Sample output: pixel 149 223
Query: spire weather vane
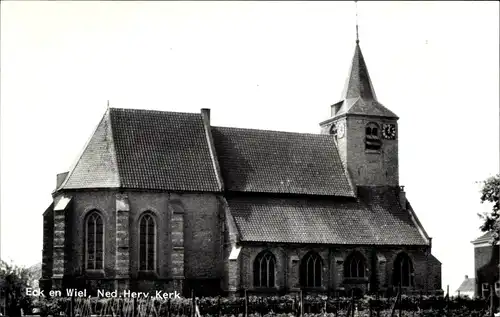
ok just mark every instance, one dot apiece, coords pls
pixel 357 34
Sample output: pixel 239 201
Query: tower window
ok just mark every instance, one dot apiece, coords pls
pixel 372 139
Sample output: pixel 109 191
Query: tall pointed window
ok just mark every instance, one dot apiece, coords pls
pixel 264 270
pixel 354 266
pixel 372 139
pixel 311 268
pixel 147 243
pixel 403 271
pixel 94 242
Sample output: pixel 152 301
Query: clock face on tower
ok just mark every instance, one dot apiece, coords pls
pixel 389 131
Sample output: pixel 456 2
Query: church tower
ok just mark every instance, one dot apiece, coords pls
pixel 365 130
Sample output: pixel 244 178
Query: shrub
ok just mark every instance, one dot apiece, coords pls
pixel 273 306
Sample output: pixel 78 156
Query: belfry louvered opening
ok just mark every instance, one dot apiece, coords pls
pixel 372 139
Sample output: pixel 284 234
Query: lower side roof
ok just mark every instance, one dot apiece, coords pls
pixel 375 218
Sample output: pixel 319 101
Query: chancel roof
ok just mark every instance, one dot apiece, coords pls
pixel 146 149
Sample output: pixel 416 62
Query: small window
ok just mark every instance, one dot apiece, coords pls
pixel 372 139
pixel 333 130
pixel 485 290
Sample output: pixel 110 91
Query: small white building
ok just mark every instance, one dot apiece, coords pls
pixel 467 287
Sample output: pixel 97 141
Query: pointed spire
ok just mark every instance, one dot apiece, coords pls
pixel 358 83
pixel 358 96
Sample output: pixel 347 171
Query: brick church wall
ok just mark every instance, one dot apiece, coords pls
pixel 379 261
pixel 48 240
pixel 191 248
pixel 188 238
pixel 427 270
pixel 202 236
pixel 435 275
pixel 83 203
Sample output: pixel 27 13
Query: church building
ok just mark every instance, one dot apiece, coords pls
pixel 163 200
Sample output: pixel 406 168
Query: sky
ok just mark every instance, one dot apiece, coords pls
pixel 264 65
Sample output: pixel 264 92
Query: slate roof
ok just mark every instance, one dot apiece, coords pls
pixel 145 149
pixel 96 167
pixel 468 285
pixel 375 219
pixel 358 82
pixel 358 96
pixel 280 162
pixel 433 259
pixel 359 106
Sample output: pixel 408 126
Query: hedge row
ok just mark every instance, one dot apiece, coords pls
pixel 262 306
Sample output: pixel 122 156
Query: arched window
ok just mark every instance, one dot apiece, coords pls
pixel 147 243
pixel 264 270
pixel 372 139
pixel 354 266
pixel 310 270
pixel 94 242
pixel 403 271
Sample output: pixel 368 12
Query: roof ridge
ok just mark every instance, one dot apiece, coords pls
pixel 154 111
pixel 276 131
pixel 114 157
pixel 205 117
